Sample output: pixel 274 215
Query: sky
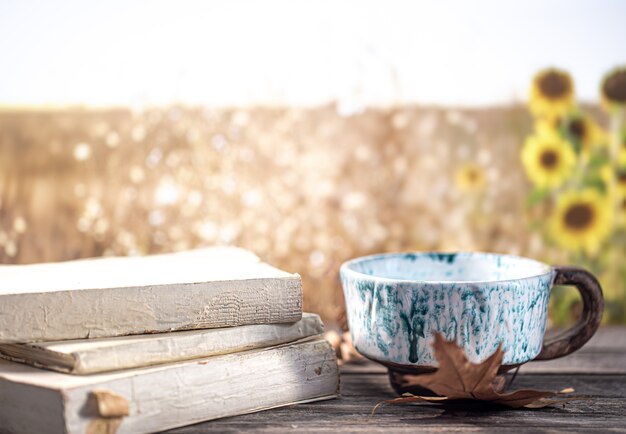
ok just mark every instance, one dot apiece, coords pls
pixel 238 52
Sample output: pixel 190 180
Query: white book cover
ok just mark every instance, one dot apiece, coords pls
pixel 106 297
pixel 156 398
pixel 88 356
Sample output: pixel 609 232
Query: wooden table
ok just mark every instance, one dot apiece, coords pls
pixel 598 371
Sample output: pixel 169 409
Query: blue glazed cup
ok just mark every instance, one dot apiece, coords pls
pixel 395 302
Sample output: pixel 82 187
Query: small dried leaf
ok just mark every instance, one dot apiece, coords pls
pixel 109 403
pixel 519 398
pixel 407 398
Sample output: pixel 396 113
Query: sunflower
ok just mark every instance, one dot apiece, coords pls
pixel 582 221
pixel 552 93
pixel 583 132
pixel 613 89
pixel 470 178
pixel 548 159
pixel 579 129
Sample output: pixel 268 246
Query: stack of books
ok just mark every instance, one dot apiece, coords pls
pixel 150 343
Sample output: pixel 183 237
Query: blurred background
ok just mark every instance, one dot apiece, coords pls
pixel 314 132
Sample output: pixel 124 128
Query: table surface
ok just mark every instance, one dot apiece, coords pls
pixel 597 371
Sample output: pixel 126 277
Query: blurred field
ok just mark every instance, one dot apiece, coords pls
pixel 304 188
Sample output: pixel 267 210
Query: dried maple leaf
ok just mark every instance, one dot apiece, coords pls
pixel 458 378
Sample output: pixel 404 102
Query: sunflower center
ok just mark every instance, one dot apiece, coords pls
pixel 614 87
pixel 621 177
pixel 549 158
pixel 577 128
pixel 579 216
pixel 554 85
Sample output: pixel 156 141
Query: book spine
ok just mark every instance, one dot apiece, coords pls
pixel 63 315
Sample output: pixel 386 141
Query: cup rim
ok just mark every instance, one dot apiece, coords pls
pixel 346 269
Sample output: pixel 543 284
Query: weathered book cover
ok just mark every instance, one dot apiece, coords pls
pixel 105 297
pixel 166 396
pixel 88 356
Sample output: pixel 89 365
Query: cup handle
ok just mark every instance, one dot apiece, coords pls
pixel 593 306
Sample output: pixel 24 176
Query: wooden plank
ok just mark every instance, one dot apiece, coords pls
pixel 580 363
pixel 607 338
pixel 577 363
pixel 603 410
pixel 605 353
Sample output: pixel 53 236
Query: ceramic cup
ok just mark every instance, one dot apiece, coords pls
pixel 396 301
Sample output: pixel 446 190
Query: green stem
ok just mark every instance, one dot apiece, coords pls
pixel 617 258
pixel 615 143
pixel 617 119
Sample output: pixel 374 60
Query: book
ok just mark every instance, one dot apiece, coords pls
pixel 88 356
pixel 166 396
pixel 106 297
